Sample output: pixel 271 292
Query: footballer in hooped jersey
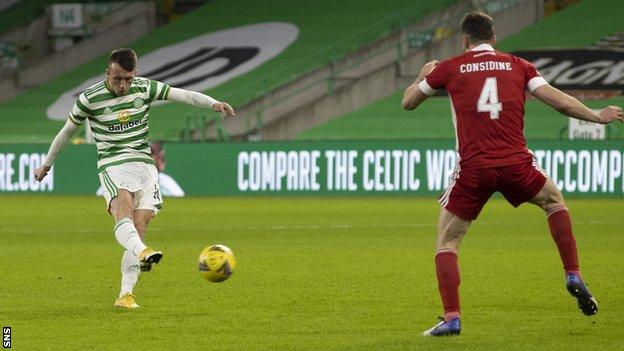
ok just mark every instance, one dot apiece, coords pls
pixel 487 89
pixel 118 113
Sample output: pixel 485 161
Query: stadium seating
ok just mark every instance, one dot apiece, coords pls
pixel 321 25
pixel 21 13
pixel 385 120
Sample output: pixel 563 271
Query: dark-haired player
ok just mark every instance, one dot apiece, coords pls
pixel 487 93
pixel 118 113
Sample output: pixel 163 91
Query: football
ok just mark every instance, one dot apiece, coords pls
pixel 217 263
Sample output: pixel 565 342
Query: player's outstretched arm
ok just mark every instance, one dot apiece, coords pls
pixel 570 106
pixel 413 95
pixel 59 142
pixel 201 100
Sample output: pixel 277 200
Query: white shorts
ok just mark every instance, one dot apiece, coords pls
pixel 141 179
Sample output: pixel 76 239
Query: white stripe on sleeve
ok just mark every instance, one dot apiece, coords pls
pixel 536 82
pixel 426 88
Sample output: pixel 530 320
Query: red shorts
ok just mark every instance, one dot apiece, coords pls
pixel 469 190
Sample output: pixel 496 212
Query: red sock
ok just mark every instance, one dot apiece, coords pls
pixel 447 270
pixel 561 229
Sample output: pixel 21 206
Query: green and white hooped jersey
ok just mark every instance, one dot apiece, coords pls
pixel 119 124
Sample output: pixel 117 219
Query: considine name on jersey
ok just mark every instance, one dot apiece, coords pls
pixel 485 66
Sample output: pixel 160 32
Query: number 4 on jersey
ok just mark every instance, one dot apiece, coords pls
pixel 488 100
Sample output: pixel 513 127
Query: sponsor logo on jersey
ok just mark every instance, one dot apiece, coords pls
pixel 202 62
pixel 107 110
pixel 123 116
pixel 126 125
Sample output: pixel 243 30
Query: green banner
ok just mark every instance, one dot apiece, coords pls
pixel 586 168
pixel 75 171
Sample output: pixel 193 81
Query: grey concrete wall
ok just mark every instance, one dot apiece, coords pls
pixel 8 87
pixel 32 38
pixel 380 73
pixel 128 24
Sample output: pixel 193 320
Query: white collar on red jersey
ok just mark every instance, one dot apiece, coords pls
pixel 483 47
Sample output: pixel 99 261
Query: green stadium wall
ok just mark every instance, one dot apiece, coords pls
pixel 375 167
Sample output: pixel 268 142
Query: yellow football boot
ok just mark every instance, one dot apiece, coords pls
pixel 148 257
pixel 126 301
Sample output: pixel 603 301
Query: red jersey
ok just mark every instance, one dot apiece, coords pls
pixel 487 93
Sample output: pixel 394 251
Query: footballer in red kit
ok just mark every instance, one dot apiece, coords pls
pixel 487 90
pixel 487 93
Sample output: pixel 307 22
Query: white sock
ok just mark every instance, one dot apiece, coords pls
pixel 129 272
pixel 128 237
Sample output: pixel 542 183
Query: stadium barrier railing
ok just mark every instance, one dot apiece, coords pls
pixel 409 39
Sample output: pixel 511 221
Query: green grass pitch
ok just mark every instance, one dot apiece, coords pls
pixel 313 273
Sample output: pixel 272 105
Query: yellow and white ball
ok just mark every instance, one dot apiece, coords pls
pixel 217 263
